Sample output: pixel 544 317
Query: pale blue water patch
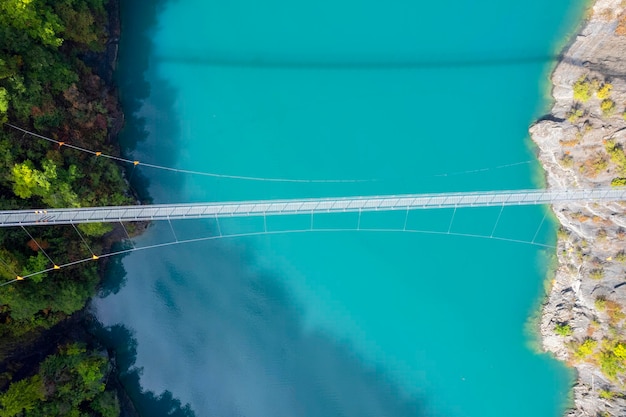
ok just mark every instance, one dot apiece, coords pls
pixel 407 98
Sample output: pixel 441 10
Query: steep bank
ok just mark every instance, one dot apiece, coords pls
pixel 581 144
pixel 56 63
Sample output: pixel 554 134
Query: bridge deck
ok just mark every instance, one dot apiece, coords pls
pixel 305 206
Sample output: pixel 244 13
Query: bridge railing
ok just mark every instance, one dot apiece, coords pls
pixel 303 206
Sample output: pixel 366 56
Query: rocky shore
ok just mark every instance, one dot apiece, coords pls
pixel 581 144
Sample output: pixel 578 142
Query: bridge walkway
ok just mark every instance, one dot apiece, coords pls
pixel 305 206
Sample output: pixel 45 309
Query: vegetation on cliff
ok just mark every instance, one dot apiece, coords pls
pixel 48 84
pixel 581 144
pixel 71 382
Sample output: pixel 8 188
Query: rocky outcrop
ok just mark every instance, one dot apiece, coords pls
pixel 581 144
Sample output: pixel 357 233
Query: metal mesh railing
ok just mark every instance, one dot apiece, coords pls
pixel 305 206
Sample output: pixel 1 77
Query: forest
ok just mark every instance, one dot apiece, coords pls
pixel 52 82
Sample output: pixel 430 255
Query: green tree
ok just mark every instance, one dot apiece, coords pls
pixel 77 376
pixel 21 395
pixel 9 266
pixel 79 24
pixel 107 404
pixel 27 180
pixel 91 371
pixel 36 264
pixel 95 229
pixel 23 302
pixel 33 18
pixel 4 104
pixel 53 185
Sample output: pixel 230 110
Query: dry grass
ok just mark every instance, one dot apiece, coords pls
pixel 594 165
pixel 606 15
pixel 614 311
pixel 570 143
pixel 581 217
pixel 620 30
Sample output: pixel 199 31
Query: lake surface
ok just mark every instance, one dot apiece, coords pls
pixel 336 99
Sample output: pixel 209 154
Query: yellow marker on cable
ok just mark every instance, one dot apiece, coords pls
pixel 98 153
pixel 61 144
pixel 135 162
pixel 56 267
pixel 19 278
pixel 94 257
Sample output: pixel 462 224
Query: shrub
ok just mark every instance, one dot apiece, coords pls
pixel 617 154
pixel 574 114
pixel 595 84
pixel 571 142
pixel 614 311
pixel 618 182
pixel 605 91
pixel 562 233
pixel 620 256
pixel 567 161
pixel 607 106
pixel 607 395
pixel 563 329
pixel 594 165
pixel 596 273
pixel 620 351
pixel 586 348
pixel 610 364
pixel 582 89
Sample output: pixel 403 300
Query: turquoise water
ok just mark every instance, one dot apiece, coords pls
pixel 404 97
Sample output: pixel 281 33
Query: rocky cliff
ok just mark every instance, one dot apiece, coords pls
pixel 581 144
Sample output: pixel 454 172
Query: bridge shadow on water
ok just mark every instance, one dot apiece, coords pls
pixel 267 62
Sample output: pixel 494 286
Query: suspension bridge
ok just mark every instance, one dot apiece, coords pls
pixel 305 206
pixel 264 208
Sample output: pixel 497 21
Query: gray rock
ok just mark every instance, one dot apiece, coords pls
pixel 573 153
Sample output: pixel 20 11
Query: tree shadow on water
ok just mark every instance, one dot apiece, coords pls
pixel 146 98
pixel 243 349
pixel 145 403
pixel 232 342
pixel 115 275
